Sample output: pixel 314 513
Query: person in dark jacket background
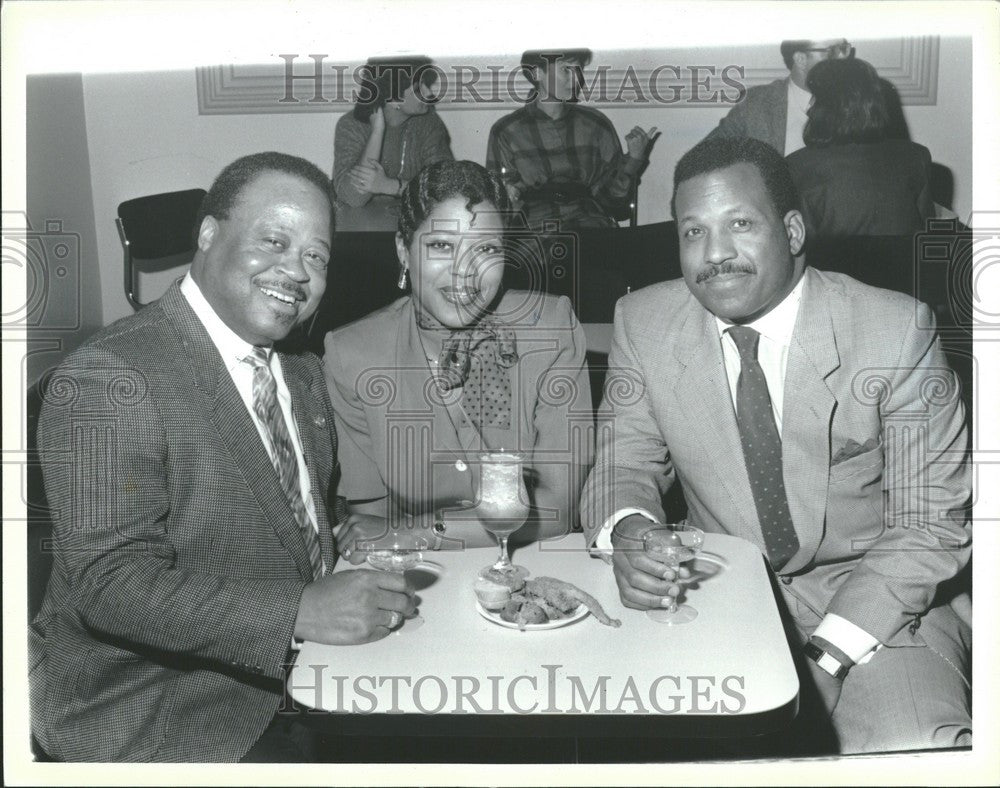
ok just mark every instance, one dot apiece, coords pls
pixel 854 176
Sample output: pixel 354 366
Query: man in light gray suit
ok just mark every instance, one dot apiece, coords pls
pixel 813 416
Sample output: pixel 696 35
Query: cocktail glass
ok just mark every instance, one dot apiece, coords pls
pixel 673 545
pixel 502 506
pixel 396 551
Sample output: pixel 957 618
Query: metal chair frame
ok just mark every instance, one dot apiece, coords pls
pixel 170 218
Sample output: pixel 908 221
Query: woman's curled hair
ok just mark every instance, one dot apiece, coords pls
pixel 442 181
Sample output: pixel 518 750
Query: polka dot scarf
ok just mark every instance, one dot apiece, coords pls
pixel 478 359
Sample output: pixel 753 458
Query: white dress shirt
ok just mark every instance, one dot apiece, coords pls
pixel 775 329
pixel 233 350
pixel 799 100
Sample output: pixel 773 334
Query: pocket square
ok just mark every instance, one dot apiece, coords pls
pixel 852 449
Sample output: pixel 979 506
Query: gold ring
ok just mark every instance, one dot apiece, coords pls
pixel 395 618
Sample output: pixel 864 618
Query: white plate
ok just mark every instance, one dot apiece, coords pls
pixel 581 611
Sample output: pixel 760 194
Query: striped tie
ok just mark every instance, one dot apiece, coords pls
pixel 265 405
pixel 762 451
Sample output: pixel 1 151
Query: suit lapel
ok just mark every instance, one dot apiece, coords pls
pixel 412 379
pixel 702 391
pixel 806 416
pixel 235 426
pixel 310 422
pixel 239 433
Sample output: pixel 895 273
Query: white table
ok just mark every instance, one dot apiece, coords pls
pixel 728 672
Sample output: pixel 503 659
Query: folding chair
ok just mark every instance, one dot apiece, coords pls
pixel 157 232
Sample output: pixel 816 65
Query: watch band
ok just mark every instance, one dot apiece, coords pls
pixel 834 651
pixel 827 661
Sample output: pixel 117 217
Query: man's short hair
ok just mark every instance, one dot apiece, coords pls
pixel 789 48
pixel 717 153
pixel 534 59
pixel 231 181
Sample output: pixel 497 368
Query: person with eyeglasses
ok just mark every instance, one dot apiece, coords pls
pixel 776 113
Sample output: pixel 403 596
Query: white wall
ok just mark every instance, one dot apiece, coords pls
pixel 58 190
pixel 146 136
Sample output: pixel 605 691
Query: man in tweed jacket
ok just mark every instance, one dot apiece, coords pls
pixel 775 113
pixel 181 575
pixel 873 451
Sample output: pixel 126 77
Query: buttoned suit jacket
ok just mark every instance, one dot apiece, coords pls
pixel 762 114
pixel 874 449
pixel 400 437
pixel 178 566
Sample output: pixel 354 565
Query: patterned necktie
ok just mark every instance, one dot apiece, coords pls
pixel 762 451
pixel 265 405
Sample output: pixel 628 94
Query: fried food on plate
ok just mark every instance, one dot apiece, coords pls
pixel 536 601
pixel 494 588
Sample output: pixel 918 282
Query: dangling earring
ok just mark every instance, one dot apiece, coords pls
pixel 404 279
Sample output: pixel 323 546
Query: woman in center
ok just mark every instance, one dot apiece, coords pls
pixel 457 367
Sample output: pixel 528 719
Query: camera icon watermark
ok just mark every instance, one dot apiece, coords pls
pixel 957 268
pixel 50 262
pixel 544 261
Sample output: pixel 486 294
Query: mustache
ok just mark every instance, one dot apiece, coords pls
pixel 288 288
pixel 728 267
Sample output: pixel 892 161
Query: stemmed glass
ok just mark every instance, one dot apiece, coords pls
pixel 502 506
pixel 396 551
pixel 673 545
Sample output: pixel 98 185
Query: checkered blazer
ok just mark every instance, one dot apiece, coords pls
pixel 762 114
pixel 178 563
pixel 873 435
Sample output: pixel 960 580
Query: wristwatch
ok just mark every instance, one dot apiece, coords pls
pixel 821 651
pixel 438 530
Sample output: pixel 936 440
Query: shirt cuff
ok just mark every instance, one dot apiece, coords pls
pixel 848 637
pixel 602 542
pixel 296 644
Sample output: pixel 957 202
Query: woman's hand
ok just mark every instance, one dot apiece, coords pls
pixel 358 529
pixel 370 178
pixel 514 195
pixel 377 121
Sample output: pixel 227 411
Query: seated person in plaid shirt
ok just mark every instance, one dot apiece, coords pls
pixel 560 160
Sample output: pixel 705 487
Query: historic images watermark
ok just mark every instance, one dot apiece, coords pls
pixel 547 690
pixel 461 84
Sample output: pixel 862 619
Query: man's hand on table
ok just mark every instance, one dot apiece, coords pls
pixel 643 582
pixel 357 606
